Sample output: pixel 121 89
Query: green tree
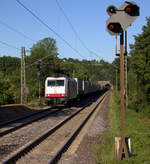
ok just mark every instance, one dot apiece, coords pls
pixel 9 64
pixel 6 92
pixel 10 79
pixel 46 51
pixel 140 62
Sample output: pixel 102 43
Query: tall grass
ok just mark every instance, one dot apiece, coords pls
pixel 137 126
pixel 36 103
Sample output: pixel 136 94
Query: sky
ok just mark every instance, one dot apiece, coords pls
pixel 88 18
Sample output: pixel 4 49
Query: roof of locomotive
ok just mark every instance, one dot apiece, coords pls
pixel 59 78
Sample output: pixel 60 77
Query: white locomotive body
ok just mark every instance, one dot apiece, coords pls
pixel 60 90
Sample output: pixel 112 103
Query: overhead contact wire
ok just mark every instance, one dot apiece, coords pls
pixel 73 29
pixel 18 32
pixel 9 45
pixel 41 21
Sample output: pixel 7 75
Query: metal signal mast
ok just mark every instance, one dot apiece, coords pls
pixel 23 75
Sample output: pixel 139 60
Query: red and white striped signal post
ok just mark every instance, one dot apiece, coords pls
pixel 118 22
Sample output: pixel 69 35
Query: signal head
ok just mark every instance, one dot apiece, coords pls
pixel 115 27
pixel 111 10
pixel 132 10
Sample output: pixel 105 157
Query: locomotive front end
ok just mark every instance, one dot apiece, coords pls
pixel 55 91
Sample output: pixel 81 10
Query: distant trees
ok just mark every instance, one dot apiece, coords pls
pixel 46 51
pixel 8 89
pixel 9 79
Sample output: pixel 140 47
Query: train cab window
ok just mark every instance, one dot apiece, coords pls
pixel 51 83
pixel 59 82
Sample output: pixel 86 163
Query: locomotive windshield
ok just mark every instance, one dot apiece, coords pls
pixel 52 83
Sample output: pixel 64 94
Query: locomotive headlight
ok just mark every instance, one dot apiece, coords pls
pixel 63 95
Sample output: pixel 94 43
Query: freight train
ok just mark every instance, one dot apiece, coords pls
pixel 61 90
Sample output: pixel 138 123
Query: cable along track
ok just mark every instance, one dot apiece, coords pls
pixel 49 147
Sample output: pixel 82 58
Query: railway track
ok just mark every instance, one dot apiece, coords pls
pixel 49 147
pixel 16 139
pixel 15 124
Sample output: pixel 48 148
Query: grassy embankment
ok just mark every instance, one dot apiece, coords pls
pixel 36 103
pixel 137 126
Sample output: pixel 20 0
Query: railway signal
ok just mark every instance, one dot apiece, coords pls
pixel 118 22
pixel 120 19
pixel 114 28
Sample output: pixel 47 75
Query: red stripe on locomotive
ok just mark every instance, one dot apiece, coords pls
pixel 56 95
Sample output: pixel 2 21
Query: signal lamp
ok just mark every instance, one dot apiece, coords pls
pixel 132 10
pixel 111 10
pixel 115 27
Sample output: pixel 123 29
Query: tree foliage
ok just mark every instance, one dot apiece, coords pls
pixel 140 62
pixel 6 92
pixel 46 51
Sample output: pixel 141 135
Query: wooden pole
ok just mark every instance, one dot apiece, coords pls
pixel 123 147
pixel 126 68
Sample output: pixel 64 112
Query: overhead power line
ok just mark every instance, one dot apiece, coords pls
pixel 73 29
pixel 12 46
pixel 15 30
pixel 48 27
pixel 9 45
